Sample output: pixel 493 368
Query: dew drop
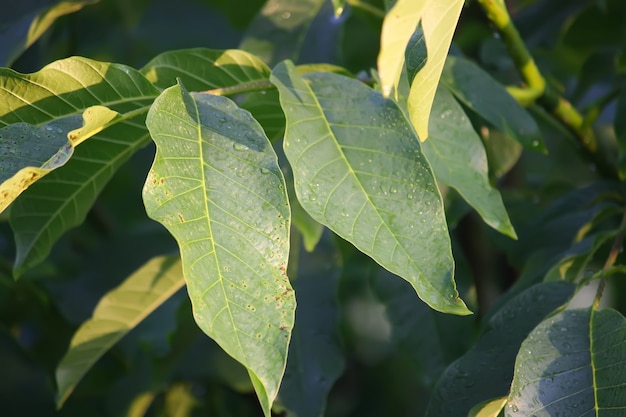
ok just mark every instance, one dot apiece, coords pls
pixel 265 170
pixel 240 147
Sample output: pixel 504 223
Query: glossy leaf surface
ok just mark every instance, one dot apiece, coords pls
pixel 117 313
pixel 363 175
pixel 458 159
pixel 492 358
pixel 216 186
pixel 572 364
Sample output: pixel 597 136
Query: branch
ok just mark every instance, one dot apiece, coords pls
pixel 537 90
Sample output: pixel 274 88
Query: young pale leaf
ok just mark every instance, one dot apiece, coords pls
pixel 30 152
pixel 572 364
pixel 117 313
pixel 439 20
pixel 216 186
pixel 489 408
pixel 279 29
pixel 315 355
pixel 359 170
pixel 486 370
pixel 458 158
pixel 205 69
pixel 477 90
pixel 68 87
pixel 399 26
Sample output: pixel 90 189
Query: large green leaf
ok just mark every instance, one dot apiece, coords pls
pixel 205 69
pixel 486 370
pixel 358 169
pixel 572 364
pixel 477 90
pixel 117 313
pixel 458 159
pixel 68 87
pixel 216 186
pixel 279 29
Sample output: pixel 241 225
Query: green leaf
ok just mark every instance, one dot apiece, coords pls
pixel 458 159
pixel 30 152
pixel 486 370
pixel 205 69
pixel 438 21
pixel 378 194
pixel 27 21
pixel 477 90
pixel 117 313
pixel 216 186
pixel 61 200
pixel 620 133
pixel 278 31
pixel 315 355
pixel 265 107
pixel 489 408
pixel 572 364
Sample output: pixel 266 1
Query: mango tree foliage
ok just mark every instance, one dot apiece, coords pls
pixel 269 177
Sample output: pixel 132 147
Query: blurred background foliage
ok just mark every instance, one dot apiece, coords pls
pixel 394 347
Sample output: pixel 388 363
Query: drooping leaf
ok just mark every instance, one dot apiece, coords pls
pixel 438 23
pixel 315 357
pixel 279 29
pixel 30 152
pixel 216 186
pixel 374 187
pixel 68 87
pixel 620 133
pixel 572 364
pixel 477 90
pixel 205 69
pixel 26 21
pixel 486 370
pixel 117 313
pixel 458 159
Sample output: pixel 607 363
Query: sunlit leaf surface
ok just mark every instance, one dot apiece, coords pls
pixel 61 199
pixel 117 313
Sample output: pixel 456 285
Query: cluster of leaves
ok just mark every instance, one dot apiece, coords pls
pixel 352 190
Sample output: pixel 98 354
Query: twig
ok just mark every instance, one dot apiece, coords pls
pixel 537 90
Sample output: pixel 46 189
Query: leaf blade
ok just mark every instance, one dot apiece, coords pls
pixel 117 313
pixel 438 23
pixel 216 186
pixel 459 160
pixel 349 185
